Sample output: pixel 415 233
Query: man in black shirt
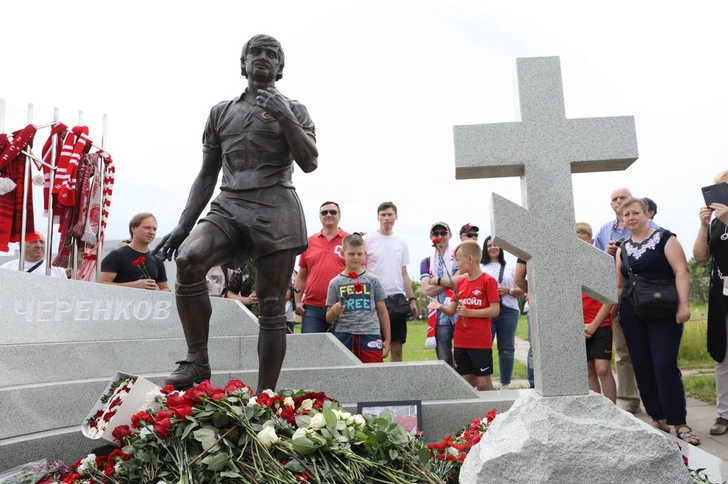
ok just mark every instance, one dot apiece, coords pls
pixel 134 265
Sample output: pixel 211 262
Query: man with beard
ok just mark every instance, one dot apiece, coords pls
pixel 254 140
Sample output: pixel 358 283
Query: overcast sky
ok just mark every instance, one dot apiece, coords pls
pixel 385 82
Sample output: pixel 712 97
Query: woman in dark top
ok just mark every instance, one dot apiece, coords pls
pixel 712 241
pixel 654 343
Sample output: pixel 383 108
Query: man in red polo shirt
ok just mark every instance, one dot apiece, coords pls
pixel 317 266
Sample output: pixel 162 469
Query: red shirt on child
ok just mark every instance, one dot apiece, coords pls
pixel 591 308
pixel 476 294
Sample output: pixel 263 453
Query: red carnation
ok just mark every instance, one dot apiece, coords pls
pixel 436 241
pixel 358 287
pixel 353 275
pixel 139 417
pixel 121 432
pixel 491 415
pixel 167 389
pixel 138 261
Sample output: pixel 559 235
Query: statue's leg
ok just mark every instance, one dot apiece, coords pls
pixel 272 277
pixel 205 247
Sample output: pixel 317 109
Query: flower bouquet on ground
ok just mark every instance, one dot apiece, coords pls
pixel 121 399
pixel 39 472
pixel 447 457
pixel 229 434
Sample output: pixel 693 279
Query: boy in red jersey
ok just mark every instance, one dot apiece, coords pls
pixel 476 304
pixel 598 333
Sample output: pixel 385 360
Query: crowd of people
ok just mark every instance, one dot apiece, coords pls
pixel 357 287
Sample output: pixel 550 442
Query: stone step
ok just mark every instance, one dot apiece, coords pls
pixel 27 364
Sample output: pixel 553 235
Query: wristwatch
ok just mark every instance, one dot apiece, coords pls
pixel 511 291
pixel 410 299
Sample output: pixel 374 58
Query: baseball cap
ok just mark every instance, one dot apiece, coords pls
pixel 651 204
pixel 440 224
pixel 468 227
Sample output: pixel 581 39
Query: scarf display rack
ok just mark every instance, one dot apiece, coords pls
pixel 77 187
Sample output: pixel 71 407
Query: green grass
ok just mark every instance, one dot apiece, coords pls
pixel 693 348
pixel 701 386
pixel 693 352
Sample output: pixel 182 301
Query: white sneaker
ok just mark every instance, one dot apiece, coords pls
pixel 505 387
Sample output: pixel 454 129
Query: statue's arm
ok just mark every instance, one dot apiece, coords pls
pixel 201 190
pixel 200 194
pixel 300 134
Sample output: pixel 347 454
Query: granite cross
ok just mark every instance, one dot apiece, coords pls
pixel 544 148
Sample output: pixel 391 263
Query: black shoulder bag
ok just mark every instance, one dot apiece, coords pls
pixel 651 299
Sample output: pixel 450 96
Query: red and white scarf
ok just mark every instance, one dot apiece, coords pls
pixel 67 193
pixel 12 165
pixel 88 267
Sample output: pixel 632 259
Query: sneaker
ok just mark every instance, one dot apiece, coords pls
pixel 505 387
pixel 719 427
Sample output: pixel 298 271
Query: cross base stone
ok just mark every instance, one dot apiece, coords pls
pixel 572 439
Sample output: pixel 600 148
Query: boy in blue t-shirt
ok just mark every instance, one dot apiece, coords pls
pixel 355 301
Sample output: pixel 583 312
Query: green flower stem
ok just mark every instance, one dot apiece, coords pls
pixel 205 451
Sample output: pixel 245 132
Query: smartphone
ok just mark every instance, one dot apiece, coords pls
pixel 717 193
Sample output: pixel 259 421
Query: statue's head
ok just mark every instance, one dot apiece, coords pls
pixel 262 40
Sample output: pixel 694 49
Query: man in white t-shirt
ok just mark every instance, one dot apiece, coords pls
pixel 387 258
pixel 35 246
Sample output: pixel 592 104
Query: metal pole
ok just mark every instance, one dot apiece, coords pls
pixel 74 241
pixel 100 172
pixel 51 179
pixel 24 210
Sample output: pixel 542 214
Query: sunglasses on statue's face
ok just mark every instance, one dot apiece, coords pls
pixel 442 233
pixel 329 212
pixel 472 235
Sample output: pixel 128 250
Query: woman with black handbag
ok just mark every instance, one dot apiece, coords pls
pixel 652 270
pixel 712 241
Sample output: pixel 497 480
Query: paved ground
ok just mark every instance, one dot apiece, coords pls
pixel 700 415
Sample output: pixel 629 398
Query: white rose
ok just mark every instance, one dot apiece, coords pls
pixel 288 401
pixel 307 404
pixel 299 433
pixel 269 393
pixel 268 436
pixel 355 420
pixel 145 431
pixel 318 421
pixel 344 416
pixel 253 401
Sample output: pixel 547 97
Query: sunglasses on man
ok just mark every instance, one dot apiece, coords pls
pixel 472 236
pixel 329 212
pixel 441 233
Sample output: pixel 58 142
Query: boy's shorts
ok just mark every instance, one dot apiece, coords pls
pixel 599 346
pixel 366 347
pixel 472 361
